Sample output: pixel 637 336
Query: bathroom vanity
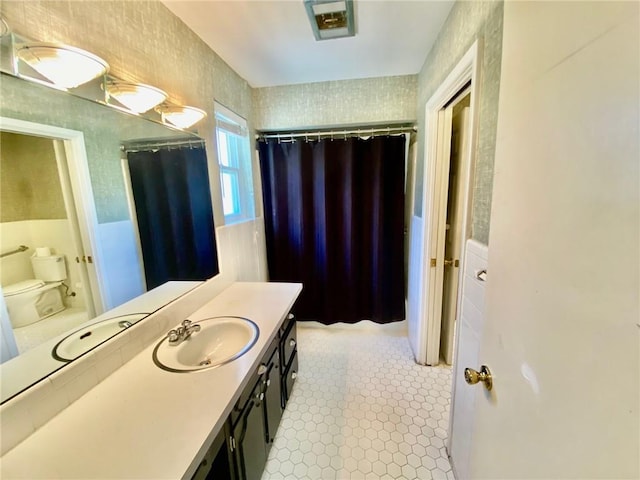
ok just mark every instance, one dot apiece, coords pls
pixel 146 422
pixel 240 450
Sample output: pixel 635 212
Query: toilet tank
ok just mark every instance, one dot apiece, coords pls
pixel 50 269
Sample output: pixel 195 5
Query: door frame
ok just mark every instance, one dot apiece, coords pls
pixel 78 199
pixel 466 70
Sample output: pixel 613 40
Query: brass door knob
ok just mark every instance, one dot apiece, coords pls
pixel 472 377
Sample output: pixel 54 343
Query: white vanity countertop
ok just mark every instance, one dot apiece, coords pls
pixel 37 363
pixel 143 422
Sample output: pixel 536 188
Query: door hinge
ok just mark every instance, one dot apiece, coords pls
pixel 451 263
pixel 232 443
pixel 433 262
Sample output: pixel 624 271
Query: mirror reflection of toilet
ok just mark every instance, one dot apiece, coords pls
pixel 30 301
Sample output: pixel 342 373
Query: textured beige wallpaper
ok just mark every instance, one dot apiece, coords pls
pixel 29 184
pixel 346 102
pixel 144 42
pixel 467 22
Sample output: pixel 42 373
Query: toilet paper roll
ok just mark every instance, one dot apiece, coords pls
pixel 43 252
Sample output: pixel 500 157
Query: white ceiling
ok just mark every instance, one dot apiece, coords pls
pixel 270 42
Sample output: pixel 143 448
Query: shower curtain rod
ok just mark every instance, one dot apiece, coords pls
pixel 351 132
pixel 147 145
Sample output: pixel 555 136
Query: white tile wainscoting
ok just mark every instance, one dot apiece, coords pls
pixel 362 408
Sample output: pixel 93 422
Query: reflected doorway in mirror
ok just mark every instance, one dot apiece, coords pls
pixel 45 291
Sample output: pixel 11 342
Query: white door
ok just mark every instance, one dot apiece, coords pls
pixel 436 229
pixel 454 236
pixel 561 327
pixel 470 326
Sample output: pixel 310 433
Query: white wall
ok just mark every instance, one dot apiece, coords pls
pixel 8 346
pixel 122 276
pixel 242 251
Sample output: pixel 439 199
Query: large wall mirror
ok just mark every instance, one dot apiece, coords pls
pixel 105 217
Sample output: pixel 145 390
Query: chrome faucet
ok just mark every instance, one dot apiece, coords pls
pixel 182 333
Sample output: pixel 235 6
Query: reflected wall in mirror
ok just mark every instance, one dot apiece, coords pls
pixel 67 196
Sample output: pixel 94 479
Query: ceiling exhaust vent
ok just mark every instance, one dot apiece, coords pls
pixel 330 19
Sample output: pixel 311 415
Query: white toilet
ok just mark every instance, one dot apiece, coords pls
pixel 30 301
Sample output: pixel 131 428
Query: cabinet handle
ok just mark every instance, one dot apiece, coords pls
pixel 262 369
pixel 259 396
pixel 293 375
pixel 292 343
pixel 268 382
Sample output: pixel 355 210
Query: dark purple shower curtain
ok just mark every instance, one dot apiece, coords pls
pixel 334 216
pixel 175 218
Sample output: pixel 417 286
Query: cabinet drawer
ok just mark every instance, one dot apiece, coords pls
pixel 289 342
pixel 290 377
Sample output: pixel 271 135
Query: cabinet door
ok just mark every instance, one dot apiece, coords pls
pixel 289 342
pixel 249 435
pixel 272 399
pixel 290 377
pixel 216 464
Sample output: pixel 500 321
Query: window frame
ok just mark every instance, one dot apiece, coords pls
pixel 240 166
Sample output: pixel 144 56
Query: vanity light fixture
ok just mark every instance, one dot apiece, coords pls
pixel 64 66
pixel 331 18
pixel 180 116
pixel 137 97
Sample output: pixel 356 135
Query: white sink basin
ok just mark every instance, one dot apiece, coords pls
pixel 83 340
pixel 219 341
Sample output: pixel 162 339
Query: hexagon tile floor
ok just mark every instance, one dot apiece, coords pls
pixel 362 409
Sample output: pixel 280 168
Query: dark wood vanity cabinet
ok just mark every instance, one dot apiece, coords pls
pixel 217 463
pixel 289 357
pixel 272 405
pixel 248 438
pixel 240 451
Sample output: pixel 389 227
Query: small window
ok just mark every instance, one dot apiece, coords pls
pixel 234 159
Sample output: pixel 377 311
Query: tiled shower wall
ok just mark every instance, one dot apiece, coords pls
pixel 467 22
